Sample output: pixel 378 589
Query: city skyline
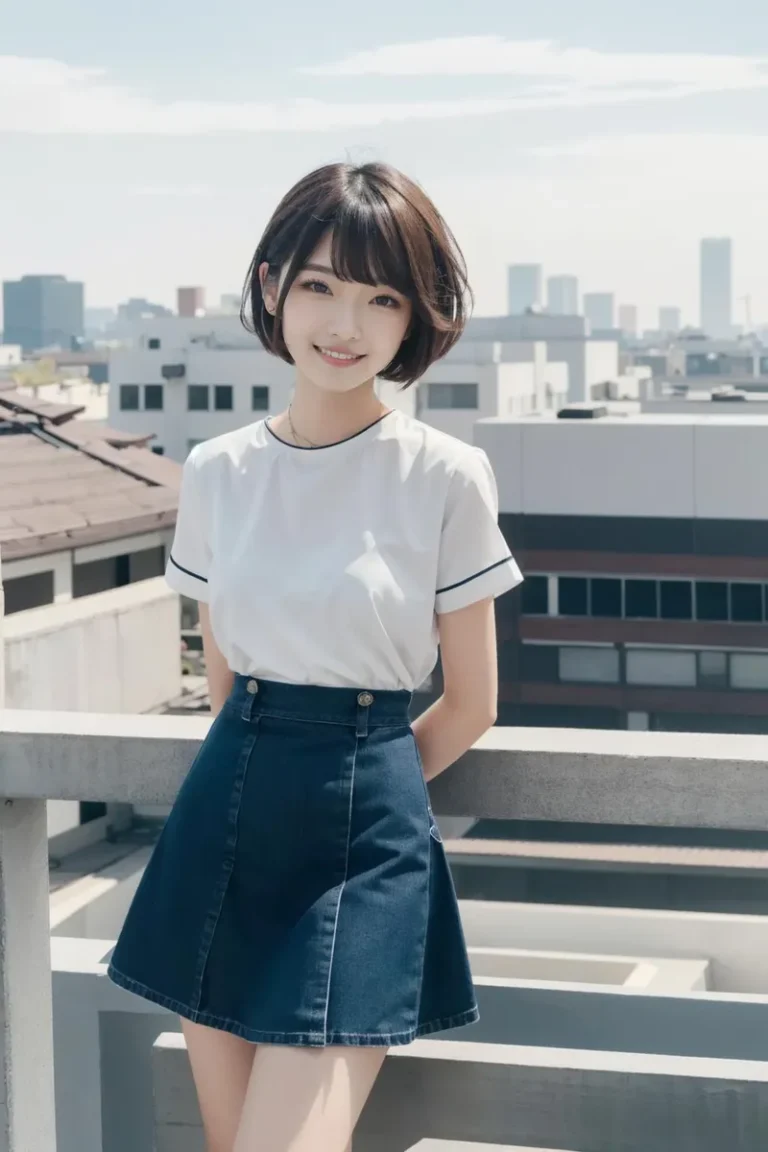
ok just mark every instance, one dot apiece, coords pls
pixel 576 139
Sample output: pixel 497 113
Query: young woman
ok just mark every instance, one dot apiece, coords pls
pixel 298 911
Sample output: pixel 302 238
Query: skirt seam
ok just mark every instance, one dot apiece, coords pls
pixel 343 884
pixel 313 1039
pixel 216 916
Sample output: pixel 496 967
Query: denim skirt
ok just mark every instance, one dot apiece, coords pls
pixel 299 892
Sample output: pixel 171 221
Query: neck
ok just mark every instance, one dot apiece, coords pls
pixel 327 417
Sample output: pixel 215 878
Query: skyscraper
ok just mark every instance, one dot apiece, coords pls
pixel 523 288
pixel 563 296
pixel 670 319
pixel 43 312
pixel 628 319
pixel 716 287
pixel 599 309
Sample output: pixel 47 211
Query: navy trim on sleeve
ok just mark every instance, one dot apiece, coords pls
pixel 458 584
pixel 182 569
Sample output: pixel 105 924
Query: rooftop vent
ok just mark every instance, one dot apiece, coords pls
pixel 582 412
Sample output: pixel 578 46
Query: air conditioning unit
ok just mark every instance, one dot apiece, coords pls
pixel 582 412
pixel 173 371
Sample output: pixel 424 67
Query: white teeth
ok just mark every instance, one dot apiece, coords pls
pixel 338 355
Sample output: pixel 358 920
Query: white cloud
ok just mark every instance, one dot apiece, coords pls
pixel 557 74
pixel 50 96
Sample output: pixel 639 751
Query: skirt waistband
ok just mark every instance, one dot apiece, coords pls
pixel 253 696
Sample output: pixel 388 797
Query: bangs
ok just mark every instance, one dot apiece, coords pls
pixel 366 248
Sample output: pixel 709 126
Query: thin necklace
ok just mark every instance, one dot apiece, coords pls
pixel 295 435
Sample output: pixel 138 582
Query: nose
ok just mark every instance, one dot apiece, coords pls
pixel 344 323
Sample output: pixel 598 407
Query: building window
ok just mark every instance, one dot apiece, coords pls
pixel 22 592
pixel 153 343
pixel 661 668
pixel 129 397
pixel 222 397
pixel 158 450
pixel 606 598
pixel 676 599
pixel 746 603
pixel 589 665
pixel 452 396
pixel 713 669
pixel 198 398
pixel 538 663
pixel 153 397
pixel 535 596
pixel 749 670
pixel 641 599
pixel 260 398
pixel 711 600
pixel 572 596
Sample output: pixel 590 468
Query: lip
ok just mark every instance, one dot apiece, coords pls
pixel 338 363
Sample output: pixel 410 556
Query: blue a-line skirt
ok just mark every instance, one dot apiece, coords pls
pixel 299 892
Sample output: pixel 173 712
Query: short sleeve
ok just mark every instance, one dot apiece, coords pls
pixel 474 561
pixel 189 559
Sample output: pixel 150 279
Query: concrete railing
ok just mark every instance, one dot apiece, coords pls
pixel 542 1097
pixel 558 775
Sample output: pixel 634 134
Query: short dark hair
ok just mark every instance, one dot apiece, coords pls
pixel 385 230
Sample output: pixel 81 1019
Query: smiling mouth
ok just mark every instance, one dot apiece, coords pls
pixel 338 357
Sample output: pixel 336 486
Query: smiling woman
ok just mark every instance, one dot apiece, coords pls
pixel 300 895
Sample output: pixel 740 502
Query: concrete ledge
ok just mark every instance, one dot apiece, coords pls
pixel 532 1096
pixel 649 778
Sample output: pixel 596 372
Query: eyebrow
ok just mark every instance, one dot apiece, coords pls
pixel 319 268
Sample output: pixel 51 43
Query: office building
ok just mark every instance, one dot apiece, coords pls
pixel 599 309
pixel 628 319
pixel 590 362
pixel 43 312
pixel 563 295
pixel 643 543
pixel 524 288
pixel 484 379
pixel 670 320
pixel 716 288
pixel 190 302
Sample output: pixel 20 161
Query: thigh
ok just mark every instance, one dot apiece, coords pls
pixel 221 1068
pixel 306 1099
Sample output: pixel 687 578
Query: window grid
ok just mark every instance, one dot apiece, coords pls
pixel 715 669
pixel 675 599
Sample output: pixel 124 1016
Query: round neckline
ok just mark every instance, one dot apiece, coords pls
pixel 334 444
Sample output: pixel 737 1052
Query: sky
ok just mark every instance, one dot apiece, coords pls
pixel 145 145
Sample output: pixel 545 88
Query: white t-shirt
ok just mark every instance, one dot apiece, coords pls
pixel 328 565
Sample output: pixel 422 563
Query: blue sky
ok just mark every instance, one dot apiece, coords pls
pixel 145 145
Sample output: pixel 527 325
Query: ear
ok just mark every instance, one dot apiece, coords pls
pixel 269 288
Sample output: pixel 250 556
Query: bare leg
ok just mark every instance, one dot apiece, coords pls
pixel 306 1099
pixel 221 1067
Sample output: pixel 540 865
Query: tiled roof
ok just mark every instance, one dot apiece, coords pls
pixel 65 482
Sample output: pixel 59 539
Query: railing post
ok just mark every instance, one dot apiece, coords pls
pixel 27 1107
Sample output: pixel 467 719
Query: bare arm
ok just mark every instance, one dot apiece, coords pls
pixel 220 675
pixel 467 707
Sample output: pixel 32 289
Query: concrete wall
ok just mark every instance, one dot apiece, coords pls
pixel 651 466
pixel 117 651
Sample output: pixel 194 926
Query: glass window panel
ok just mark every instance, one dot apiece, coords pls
pixel 589 665
pixel 641 599
pixel 661 667
pixel 572 596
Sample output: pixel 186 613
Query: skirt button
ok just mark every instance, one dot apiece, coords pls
pixel 365 699
pixel 252 686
